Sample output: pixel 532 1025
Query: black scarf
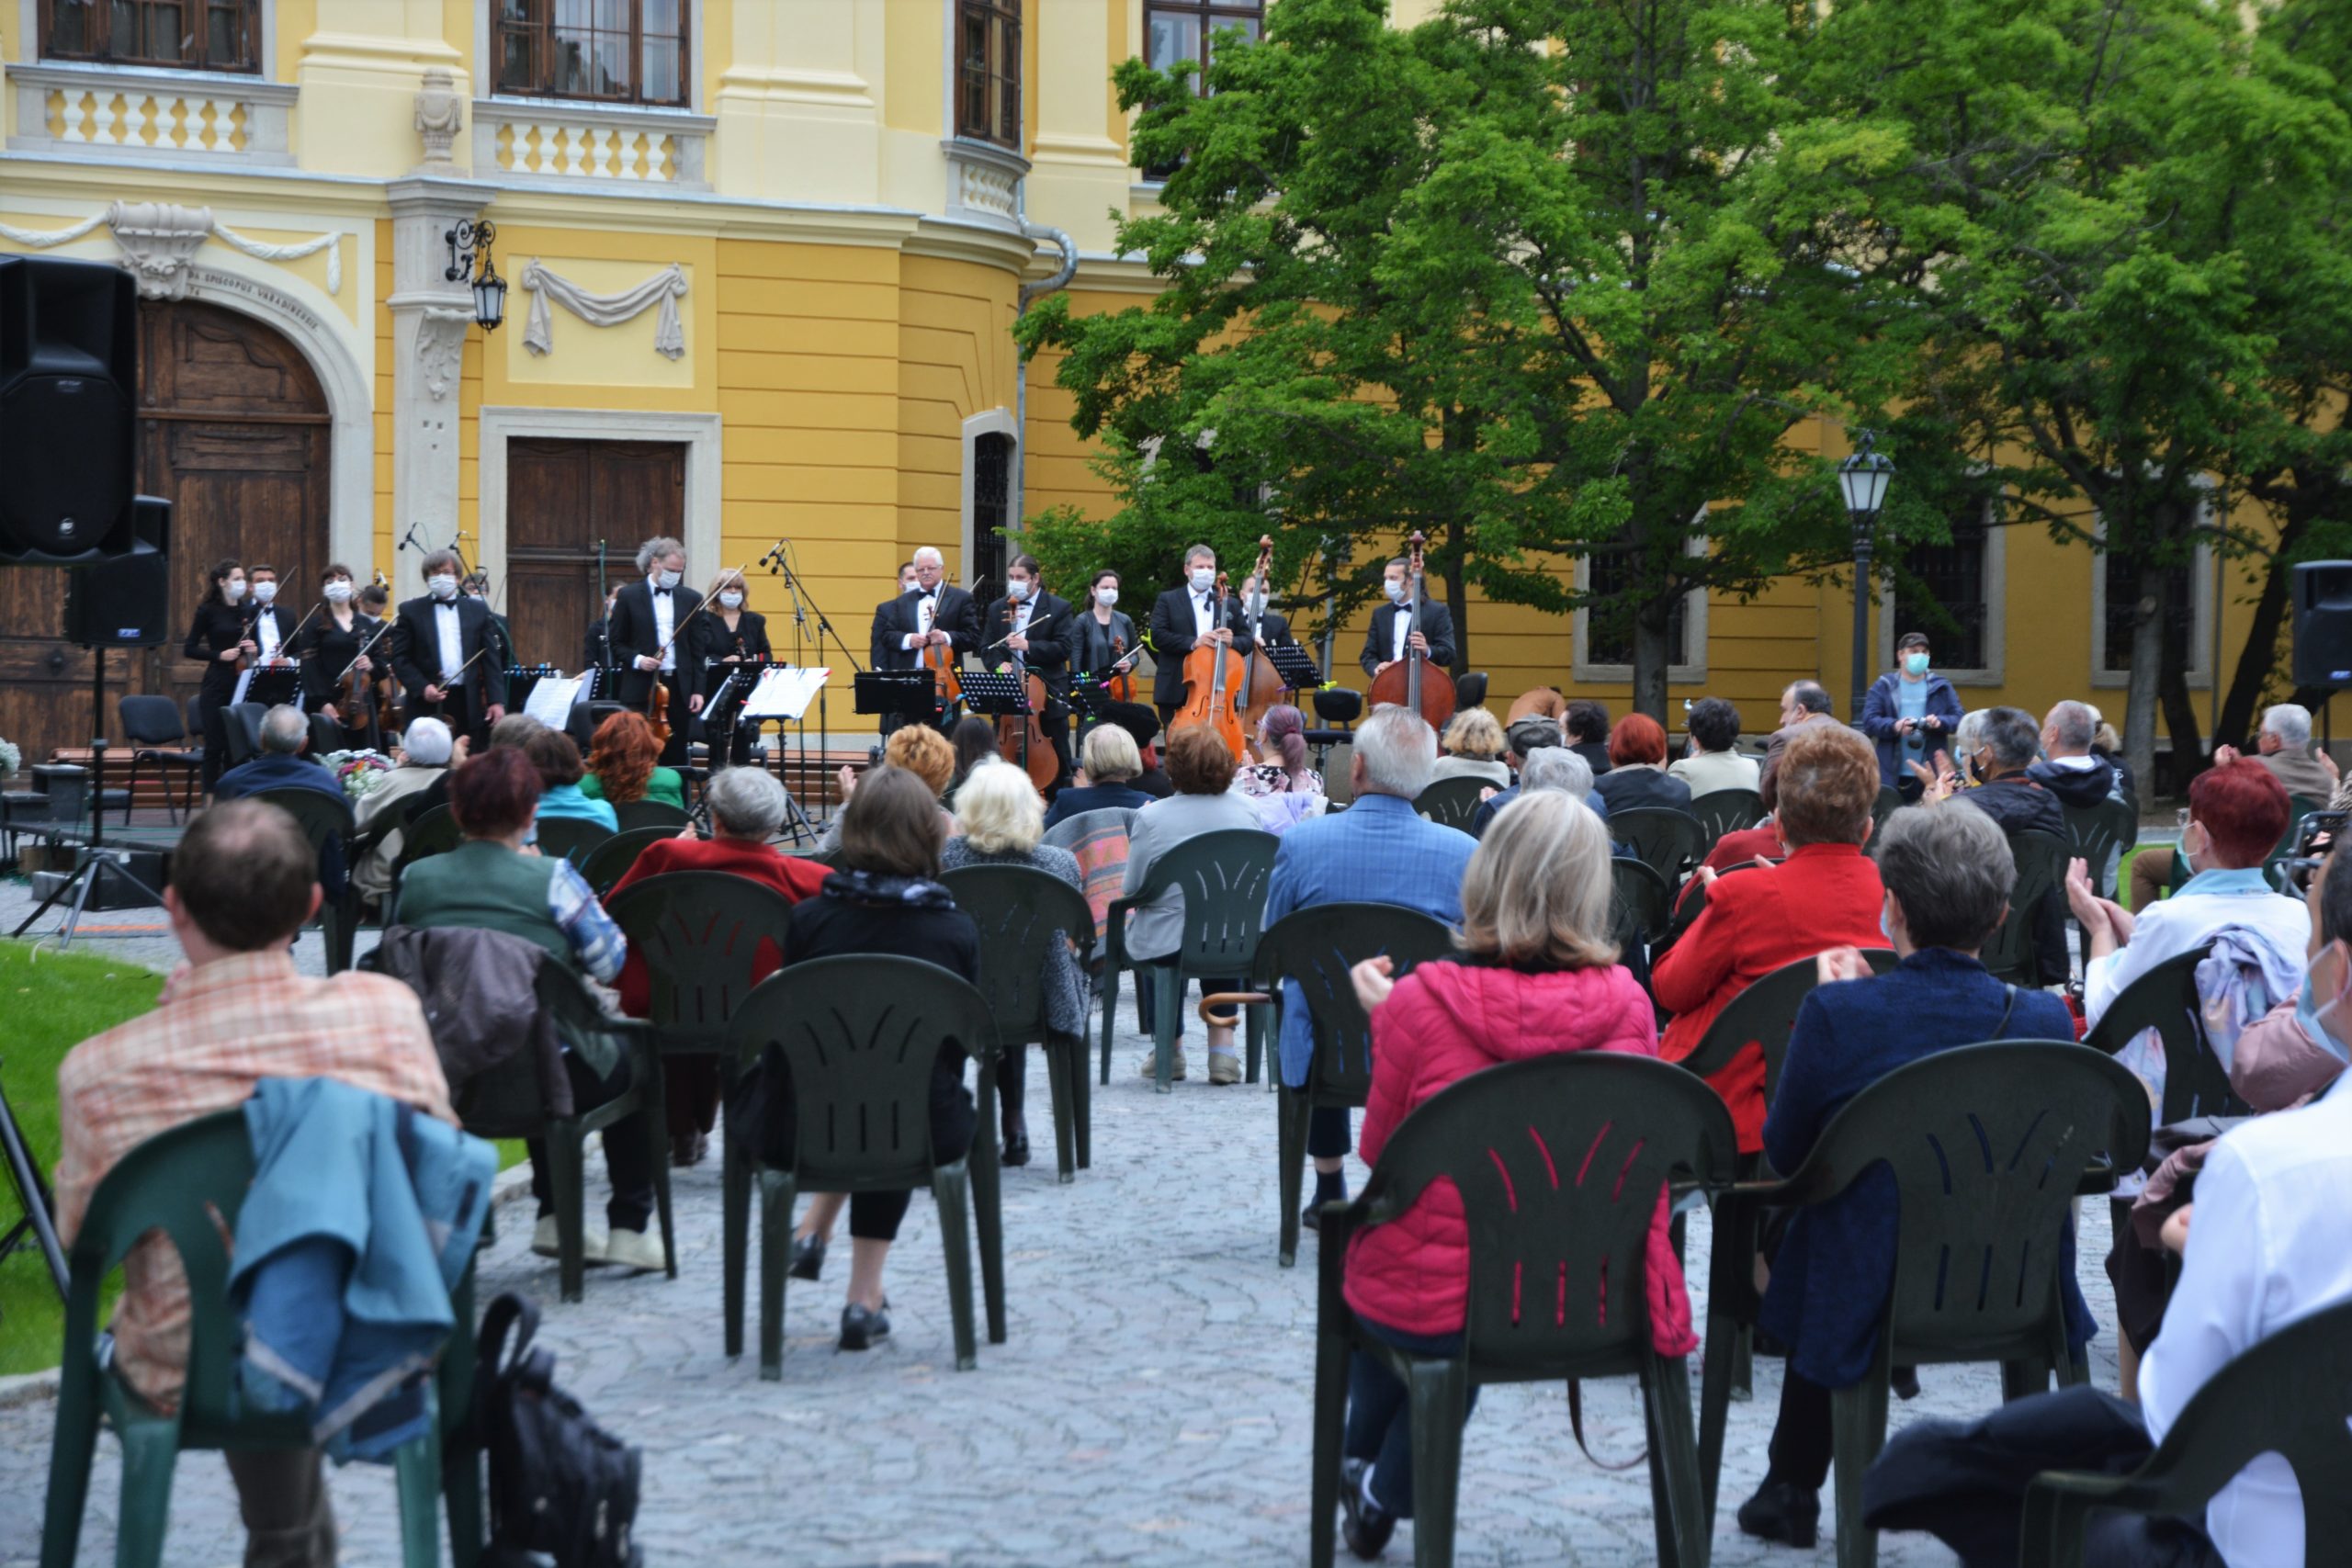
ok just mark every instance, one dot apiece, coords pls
pixel 875 887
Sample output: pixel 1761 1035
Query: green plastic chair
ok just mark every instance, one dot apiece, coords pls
pixel 610 860
pixel 324 818
pixel 859 1035
pixel 1021 911
pixel 2041 866
pixel 571 836
pixel 1988 1146
pixel 1668 842
pixel 189 1183
pixel 1888 803
pixel 2096 834
pixel 1689 903
pixel 2166 999
pixel 2274 863
pixel 1223 876
pixel 1515 1140
pixel 434 832
pixel 650 813
pixel 1316 947
pixel 1721 811
pixel 1640 901
pixel 2286 1395
pixel 1451 802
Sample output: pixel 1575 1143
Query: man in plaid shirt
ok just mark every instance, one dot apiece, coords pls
pixel 244 883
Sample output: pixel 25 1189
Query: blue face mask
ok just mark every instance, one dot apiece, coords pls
pixel 1917 663
pixel 2313 1018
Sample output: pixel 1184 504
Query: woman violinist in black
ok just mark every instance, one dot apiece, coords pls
pixel 331 645
pixel 221 636
pixel 723 632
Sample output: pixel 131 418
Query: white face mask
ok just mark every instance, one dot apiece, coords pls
pixel 1016 591
pixel 338 592
pixel 265 592
pixel 730 598
pixel 233 591
pixel 1203 579
pixel 1396 590
pixel 442 585
pixel 668 578
pixel 1106 597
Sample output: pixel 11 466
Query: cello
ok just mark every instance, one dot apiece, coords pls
pixel 1213 675
pixel 1412 681
pixel 1024 736
pixel 1262 684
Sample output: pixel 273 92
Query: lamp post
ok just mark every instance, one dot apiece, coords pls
pixel 1864 478
pixel 470 244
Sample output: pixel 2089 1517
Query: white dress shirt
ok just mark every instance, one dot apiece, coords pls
pixel 1399 630
pixel 925 608
pixel 266 632
pixel 1204 614
pixel 665 621
pixel 2205 903
pixel 1021 614
pixel 453 647
pixel 2270 1242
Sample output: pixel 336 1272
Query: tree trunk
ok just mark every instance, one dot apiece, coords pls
pixel 2180 719
pixel 1651 623
pixel 2259 656
pixel 1457 598
pixel 2147 668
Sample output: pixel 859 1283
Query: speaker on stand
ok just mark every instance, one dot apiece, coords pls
pixel 2323 630
pixel 69 384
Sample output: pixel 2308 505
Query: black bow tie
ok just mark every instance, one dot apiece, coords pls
pixel 660 594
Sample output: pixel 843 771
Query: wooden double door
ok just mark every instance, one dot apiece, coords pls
pixel 234 430
pixel 576 512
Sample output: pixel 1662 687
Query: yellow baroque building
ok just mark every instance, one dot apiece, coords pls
pixel 764 256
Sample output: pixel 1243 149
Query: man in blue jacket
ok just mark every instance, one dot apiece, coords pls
pixel 1910 714
pixel 281 765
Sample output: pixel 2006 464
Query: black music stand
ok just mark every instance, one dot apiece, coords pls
pixel 1001 695
pixel 1292 663
pixel 275 685
pixel 913 695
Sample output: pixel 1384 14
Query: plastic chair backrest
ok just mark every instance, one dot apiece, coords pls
pixel 1451 802
pixel 571 836
pixel 150 720
pixel 2297 807
pixel 2096 834
pixel 1071 831
pixel 434 832
pixel 241 724
pixel 650 814
pixel 611 859
pixel 1988 1144
pixel 1763 1014
pixel 1668 842
pixel 1559 1161
pixel 700 933
pixel 1316 947
pixel 1021 911
pixel 1888 804
pixel 320 817
pixel 1639 901
pixel 2041 862
pixel 859 1035
pixel 1223 877
pixel 2166 999
pixel 1721 811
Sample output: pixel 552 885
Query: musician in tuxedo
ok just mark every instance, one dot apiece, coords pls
pixel 1273 626
pixel 438 653
pixel 649 619
pixel 936 612
pixel 1029 629
pixel 477 586
pixel 724 634
pixel 1182 618
pixel 1393 629
pixel 272 623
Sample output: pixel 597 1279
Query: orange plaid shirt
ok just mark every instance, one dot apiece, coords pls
pixel 215 1032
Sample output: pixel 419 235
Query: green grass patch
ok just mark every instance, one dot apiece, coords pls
pixel 51 1002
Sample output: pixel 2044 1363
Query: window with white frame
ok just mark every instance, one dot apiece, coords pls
pixel 1187 30
pixel 2189 612
pixel 621 51
pixel 1955 592
pixel 1604 625
pixel 186 35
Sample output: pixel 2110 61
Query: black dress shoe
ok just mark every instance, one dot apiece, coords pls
pixel 1364 1525
pixel 1311 1217
pixel 1905 1381
pixel 807 1257
pixel 1016 1144
pixel 1785 1512
pixel 861 1328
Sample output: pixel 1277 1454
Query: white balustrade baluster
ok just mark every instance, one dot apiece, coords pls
pixel 575 150
pixel 102 126
pixel 71 116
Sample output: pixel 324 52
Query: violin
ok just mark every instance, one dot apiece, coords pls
pixel 1213 674
pixel 1262 684
pixel 359 699
pixel 1412 681
pixel 947 685
pixel 1122 685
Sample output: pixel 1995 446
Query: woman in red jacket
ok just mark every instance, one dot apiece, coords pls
pixel 1538 975
pixel 1824 894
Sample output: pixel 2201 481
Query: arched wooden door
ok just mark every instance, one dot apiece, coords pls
pixel 233 430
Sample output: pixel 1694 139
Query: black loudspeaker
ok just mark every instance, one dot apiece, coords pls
pixel 121 601
pixel 69 383
pixel 2323 623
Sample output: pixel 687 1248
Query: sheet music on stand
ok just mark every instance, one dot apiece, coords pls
pixel 785 691
pixel 551 698
pixel 271 684
pixel 1294 664
pixel 996 693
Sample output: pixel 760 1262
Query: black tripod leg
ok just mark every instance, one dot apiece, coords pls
pixel 32 1192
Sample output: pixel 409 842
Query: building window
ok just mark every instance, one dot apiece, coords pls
pixel 629 51
pixel 992 499
pixel 1942 590
pixel 1609 615
pixel 1184 30
pixel 987 71
pixel 2123 593
pixel 189 34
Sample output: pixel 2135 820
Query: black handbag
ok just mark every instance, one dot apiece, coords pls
pixel 563 1492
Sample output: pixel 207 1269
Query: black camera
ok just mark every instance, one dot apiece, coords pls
pixel 2314 841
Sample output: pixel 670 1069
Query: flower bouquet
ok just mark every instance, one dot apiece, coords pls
pixel 361 774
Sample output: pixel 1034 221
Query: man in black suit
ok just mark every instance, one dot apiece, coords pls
pixel 433 640
pixel 937 612
pixel 647 630
pixel 1181 618
pixel 1384 641
pixel 1025 630
pixel 1272 625
pixel 272 623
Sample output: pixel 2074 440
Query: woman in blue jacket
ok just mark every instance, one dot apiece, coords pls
pixel 1910 714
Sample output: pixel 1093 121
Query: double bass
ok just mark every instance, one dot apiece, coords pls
pixel 1261 683
pixel 1213 675
pixel 1412 681
pixel 1023 736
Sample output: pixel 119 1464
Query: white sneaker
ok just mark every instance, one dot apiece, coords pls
pixel 1149 1067
pixel 543 1242
pixel 637 1251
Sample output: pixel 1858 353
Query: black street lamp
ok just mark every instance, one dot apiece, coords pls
pixel 1864 478
pixel 470 243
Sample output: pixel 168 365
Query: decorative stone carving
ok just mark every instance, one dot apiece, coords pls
pixel 159 241
pixel 440 117
pixel 441 346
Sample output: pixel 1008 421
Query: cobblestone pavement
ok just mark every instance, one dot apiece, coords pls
pixel 1152 1405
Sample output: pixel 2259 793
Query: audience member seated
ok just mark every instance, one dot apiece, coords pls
pixel 920 751
pixel 1548 767
pixel 2004 750
pixel 2107 747
pixel 747 810
pixel 2284 748
pixel 1948 876
pixel 1825 894
pixel 2268 1241
pixel 1638 776
pixel 1287 791
pixel 886 899
pixel 1711 764
pixel 1586 723
pixel 557 759
pixel 621 765
pixel 1379 850
pixel 2070 772
pixel 493 883
pixel 974 741
pixel 1142 726
pixel 1802 704
pixel 422 758
pixel 1205 802
pixel 1538 976
pixel 1109 764
pixel 1000 821
pixel 509 734
pixel 1473 749
pixel 242 887
pixel 284 734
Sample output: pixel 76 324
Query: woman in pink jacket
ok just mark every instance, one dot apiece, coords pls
pixel 1538 975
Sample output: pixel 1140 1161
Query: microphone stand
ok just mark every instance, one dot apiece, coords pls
pixel 782 561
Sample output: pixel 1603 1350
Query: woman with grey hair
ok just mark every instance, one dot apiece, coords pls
pixel 423 756
pixel 1948 876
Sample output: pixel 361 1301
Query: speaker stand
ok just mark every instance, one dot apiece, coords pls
pixel 95 863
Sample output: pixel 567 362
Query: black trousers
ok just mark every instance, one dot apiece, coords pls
pixel 215 739
pixel 628 1163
